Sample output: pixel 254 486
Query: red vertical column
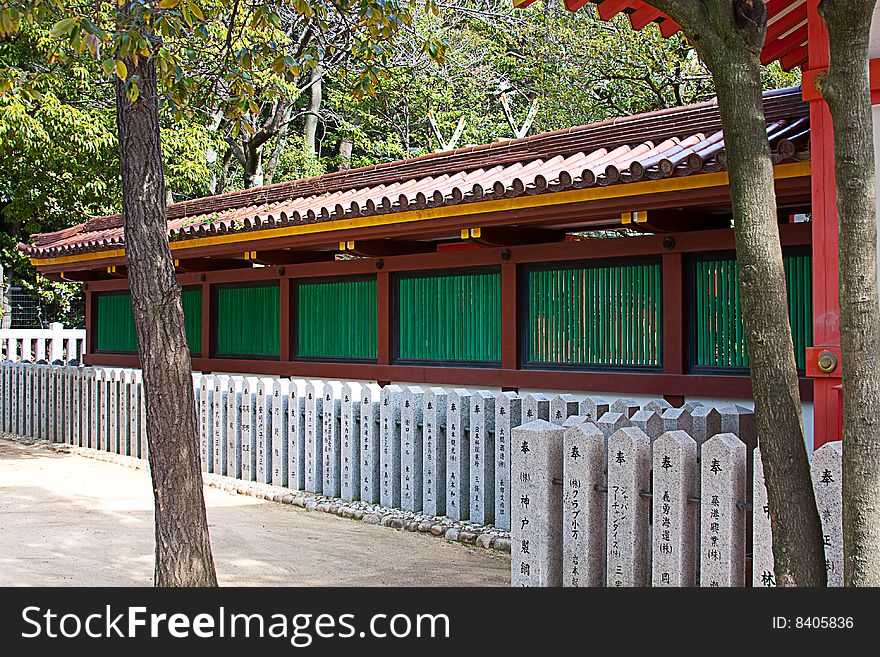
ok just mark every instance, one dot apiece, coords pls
pixel 207 321
pixel 383 302
pixel 509 317
pixel 91 332
pixel 285 331
pixel 826 309
pixel 674 338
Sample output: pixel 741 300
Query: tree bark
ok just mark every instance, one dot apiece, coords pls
pixel 729 36
pixel 183 548
pixel 316 97
pixel 847 90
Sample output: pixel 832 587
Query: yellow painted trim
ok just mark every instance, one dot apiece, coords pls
pixel 682 183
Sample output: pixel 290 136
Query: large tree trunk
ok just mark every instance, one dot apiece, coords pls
pixel 729 36
pixel 253 165
pixel 847 90
pixel 316 97
pixel 183 548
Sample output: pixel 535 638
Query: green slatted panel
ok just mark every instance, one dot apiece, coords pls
pixel 594 316
pixel 248 320
pixel 720 337
pixel 191 298
pixel 450 318
pixel 116 331
pixel 337 319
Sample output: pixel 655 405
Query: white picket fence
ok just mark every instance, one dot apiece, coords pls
pixel 599 493
pixel 53 344
pixel 632 508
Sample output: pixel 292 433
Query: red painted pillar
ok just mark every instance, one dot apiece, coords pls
pixel 826 310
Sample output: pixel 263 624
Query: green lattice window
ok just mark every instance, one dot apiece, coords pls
pixel 336 319
pixel 595 315
pixel 115 321
pixel 718 327
pixel 449 318
pixel 248 320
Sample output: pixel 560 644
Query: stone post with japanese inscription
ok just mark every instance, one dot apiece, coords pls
pixel 674 515
pixel 583 505
pixel 458 460
pixel 350 464
pixel 508 414
pixel 592 408
pixel 722 520
pixel 206 424
pixel 411 439
pixel 221 408
pixel 314 445
pixel 234 387
pixel 763 573
pixel 296 432
pixel 263 452
pixel 827 470
pixel 248 428
pixel 536 528
pixel 280 457
pixel 332 437
pixel 371 475
pixel 389 446
pixel 482 466
pixel 536 407
pixel 562 407
pixel 629 511
pixel 434 452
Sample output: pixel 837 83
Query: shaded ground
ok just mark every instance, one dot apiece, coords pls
pixel 66 520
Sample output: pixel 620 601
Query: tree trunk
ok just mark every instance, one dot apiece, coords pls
pixel 253 166
pixel 183 548
pixel 729 35
pixel 847 90
pixel 316 97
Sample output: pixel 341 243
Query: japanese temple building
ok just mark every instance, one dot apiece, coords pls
pixel 598 258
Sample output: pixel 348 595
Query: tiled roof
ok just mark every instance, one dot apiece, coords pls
pixel 674 142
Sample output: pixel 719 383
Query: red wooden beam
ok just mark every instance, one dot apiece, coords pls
pixel 668 27
pixel 642 16
pixel 782 47
pixel 610 8
pixel 797 57
pixel 571 5
pixel 785 23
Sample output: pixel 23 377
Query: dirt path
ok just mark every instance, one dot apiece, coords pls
pixel 66 520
